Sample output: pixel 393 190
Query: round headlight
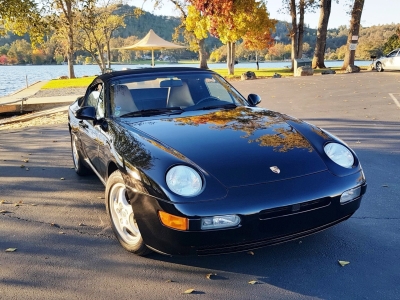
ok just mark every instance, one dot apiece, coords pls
pixel 339 154
pixel 184 181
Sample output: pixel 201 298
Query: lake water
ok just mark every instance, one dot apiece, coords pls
pixel 14 78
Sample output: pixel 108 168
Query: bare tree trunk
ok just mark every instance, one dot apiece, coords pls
pixel 300 29
pixel 353 32
pixel 293 31
pixel 108 55
pixel 70 51
pixel 230 57
pixel 202 55
pixel 258 66
pixel 319 53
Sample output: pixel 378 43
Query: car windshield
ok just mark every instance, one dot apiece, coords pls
pixel 171 93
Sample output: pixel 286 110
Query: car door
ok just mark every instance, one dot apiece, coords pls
pixel 396 61
pixel 87 129
pixel 389 62
pixel 102 135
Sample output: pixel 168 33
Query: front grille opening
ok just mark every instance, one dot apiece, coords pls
pixel 294 209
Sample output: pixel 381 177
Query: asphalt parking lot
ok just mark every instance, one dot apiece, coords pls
pixel 66 250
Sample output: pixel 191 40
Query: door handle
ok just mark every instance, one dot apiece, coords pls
pixel 83 125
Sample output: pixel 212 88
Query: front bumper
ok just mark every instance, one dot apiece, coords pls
pixel 270 213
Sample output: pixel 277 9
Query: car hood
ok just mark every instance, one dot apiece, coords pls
pixel 241 146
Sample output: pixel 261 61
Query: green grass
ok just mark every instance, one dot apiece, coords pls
pixel 268 72
pixel 68 83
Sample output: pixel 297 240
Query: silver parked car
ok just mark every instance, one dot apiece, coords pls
pixel 388 62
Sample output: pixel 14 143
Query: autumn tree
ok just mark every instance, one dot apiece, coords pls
pixel 63 19
pixel 319 53
pixel 20 17
pixel 195 32
pixel 353 32
pixel 95 26
pixel 231 21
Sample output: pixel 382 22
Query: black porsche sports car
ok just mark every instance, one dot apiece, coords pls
pixel 192 167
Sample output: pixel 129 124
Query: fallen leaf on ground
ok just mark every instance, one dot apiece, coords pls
pixel 253 282
pixel 33 204
pixel 11 249
pixel 62 178
pixel 5 212
pixel 211 275
pixel 26 160
pixel 343 262
pixel 189 291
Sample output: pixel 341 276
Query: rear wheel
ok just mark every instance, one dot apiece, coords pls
pixel 122 217
pixel 379 67
pixel 80 167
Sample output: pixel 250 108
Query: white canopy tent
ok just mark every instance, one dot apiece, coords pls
pixel 152 42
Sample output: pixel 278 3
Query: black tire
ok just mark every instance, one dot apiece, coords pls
pixel 379 67
pixel 122 217
pixel 80 166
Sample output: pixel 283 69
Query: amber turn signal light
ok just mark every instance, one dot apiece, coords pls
pixel 174 222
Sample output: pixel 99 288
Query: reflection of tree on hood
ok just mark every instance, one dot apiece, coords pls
pixel 131 149
pixel 283 138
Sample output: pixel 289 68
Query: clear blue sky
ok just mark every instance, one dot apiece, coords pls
pixel 375 12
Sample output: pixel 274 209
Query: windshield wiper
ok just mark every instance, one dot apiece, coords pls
pixel 224 106
pixel 154 111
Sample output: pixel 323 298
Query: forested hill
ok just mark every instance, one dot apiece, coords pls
pixel 371 38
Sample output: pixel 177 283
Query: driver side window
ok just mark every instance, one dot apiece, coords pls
pixel 95 99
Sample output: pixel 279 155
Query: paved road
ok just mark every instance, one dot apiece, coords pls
pixel 66 250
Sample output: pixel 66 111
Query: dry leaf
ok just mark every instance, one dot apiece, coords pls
pixel 250 252
pixel 343 262
pixel 189 291
pixel 211 275
pixel 62 178
pixel 61 232
pixel 26 160
pixel 33 204
pixel 253 282
pixel 11 249
pixel 2 201
pixel 5 212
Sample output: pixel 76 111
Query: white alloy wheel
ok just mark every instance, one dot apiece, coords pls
pixel 123 221
pixel 122 215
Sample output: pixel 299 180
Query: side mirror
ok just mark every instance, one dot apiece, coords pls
pixel 253 99
pixel 86 113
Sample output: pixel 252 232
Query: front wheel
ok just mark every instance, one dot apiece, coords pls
pixel 122 217
pixel 379 67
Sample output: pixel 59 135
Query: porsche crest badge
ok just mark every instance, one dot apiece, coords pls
pixel 275 169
